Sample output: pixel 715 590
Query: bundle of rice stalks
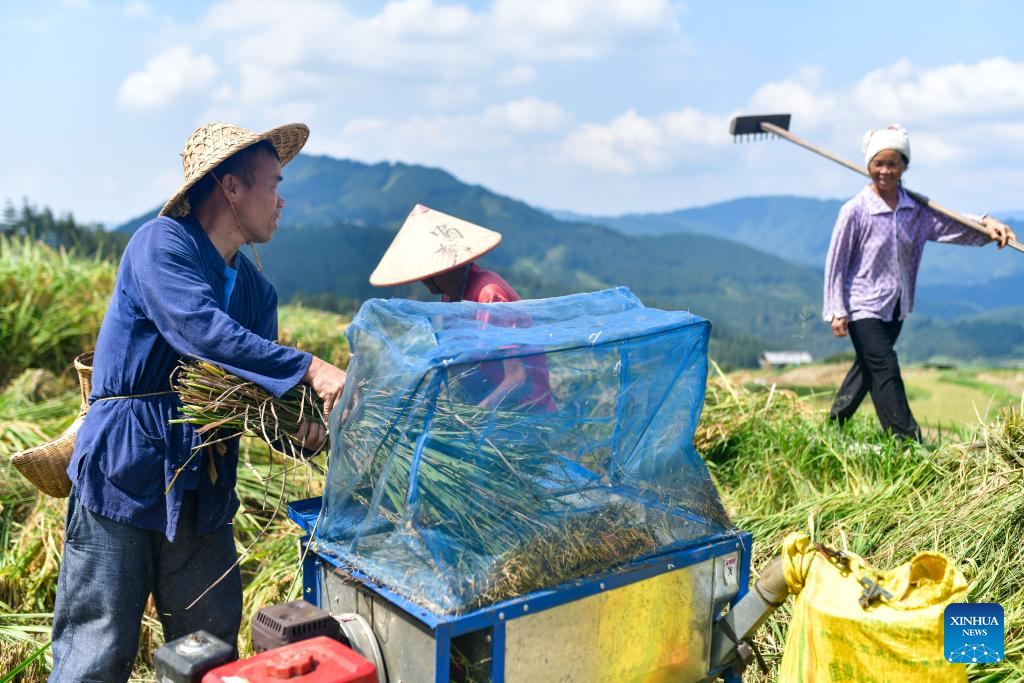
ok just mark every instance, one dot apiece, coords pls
pixel 222 406
pixel 466 485
pixel 1010 442
pixel 581 545
pixel 499 506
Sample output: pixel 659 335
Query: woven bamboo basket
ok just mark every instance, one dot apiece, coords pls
pixel 46 465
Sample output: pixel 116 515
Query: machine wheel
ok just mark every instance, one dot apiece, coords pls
pixel 361 638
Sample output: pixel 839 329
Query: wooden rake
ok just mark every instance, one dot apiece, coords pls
pixel 765 126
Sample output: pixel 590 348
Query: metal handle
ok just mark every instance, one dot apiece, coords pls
pixel 747 615
pixel 933 205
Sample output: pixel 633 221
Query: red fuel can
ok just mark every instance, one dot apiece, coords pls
pixel 317 660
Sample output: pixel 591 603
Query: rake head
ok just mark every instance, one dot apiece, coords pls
pixel 749 127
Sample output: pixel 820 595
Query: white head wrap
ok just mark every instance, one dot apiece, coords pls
pixel 894 136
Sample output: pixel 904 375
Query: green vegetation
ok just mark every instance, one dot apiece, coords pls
pixel 778 465
pixel 795 228
pixel 57 232
pixel 319 332
pixel 781 468
pixel 31 526
pixel 995 334
pixel 940 399
pixel 51 305
pixel 954 281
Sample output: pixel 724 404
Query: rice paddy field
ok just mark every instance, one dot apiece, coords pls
pixel 778 466
pixel 941 398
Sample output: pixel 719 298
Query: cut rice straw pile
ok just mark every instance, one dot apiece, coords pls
pixel 781 467
pixel 222 406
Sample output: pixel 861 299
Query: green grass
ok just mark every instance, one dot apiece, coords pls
pixel 319 332
pixel 946 399
pixel 970 379
pixel 781 468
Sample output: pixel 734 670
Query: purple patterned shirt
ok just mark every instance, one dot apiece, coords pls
pixel 875 253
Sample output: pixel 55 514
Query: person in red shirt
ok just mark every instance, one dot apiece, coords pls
pixel 439 250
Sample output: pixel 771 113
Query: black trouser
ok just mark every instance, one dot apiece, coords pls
pixel 876 371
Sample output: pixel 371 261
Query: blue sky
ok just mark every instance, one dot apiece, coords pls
pixel 598 106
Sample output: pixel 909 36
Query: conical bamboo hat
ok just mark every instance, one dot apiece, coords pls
pixel 430 243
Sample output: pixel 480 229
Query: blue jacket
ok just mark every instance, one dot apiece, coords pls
pixel 168 303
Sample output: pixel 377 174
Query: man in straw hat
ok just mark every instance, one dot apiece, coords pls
pixel 183 289
pixel 439 250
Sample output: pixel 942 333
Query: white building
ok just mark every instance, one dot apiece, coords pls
pixel 778 359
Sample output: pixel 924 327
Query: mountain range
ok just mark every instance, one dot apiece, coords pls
pixel 751 266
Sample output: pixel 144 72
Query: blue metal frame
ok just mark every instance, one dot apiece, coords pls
pixel 447 626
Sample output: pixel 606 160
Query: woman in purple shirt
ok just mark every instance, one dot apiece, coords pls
pixel 870 275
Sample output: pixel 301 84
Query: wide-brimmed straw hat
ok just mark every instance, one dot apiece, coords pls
pixel 430 243
pixel 46 466
pixel 215 142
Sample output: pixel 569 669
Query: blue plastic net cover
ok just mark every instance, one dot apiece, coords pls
pixel 488 450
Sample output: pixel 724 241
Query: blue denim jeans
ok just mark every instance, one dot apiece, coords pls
pixel 108 572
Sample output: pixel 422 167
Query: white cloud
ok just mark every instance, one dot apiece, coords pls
pixel 522 74
pixel 964 122
pixel 518 129
pixel 528 115
pixel 417 40
pixel 802 95
pixel 365 126
pixel 260 85
pixel 167 76
pixel 428 43
pixel 694 127
pixel 423 81
pixel 930 149
pixel 136 8
pixel 424 19
pixel 909 93
pixel 959 116
pixel 629 143
pixel 1009 131
pixel 579 29
pixel 901 92
pixel 632 143
pixel 452 96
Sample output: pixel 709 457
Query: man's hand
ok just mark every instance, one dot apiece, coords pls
pixel 313 435
pixel 998 231
pixel 839 326
pixel 328 381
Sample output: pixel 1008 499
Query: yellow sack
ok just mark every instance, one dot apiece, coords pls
pixel 897 639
